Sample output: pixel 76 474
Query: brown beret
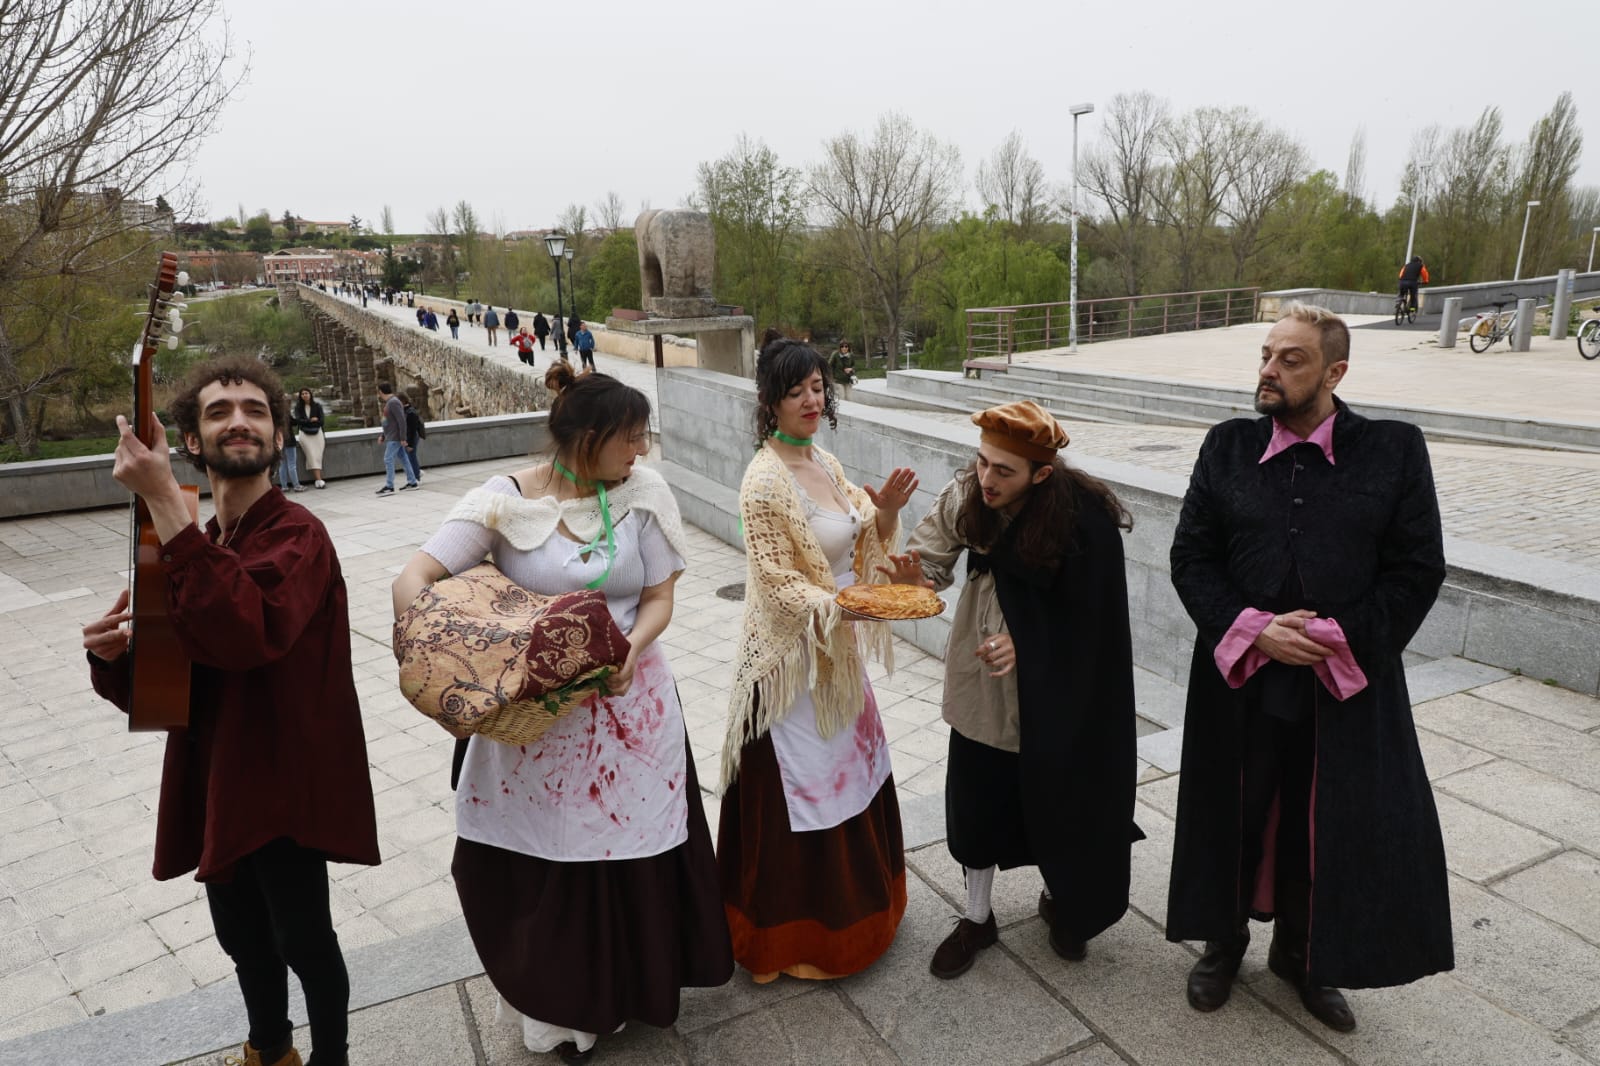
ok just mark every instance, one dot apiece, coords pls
pixel 1022 428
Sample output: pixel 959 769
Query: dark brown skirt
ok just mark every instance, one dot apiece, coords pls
pixel 830 899
pixel 590 945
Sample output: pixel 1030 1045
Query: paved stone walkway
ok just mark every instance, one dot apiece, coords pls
pixel 84 932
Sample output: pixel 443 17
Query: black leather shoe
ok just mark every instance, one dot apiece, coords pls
pixel 960 949
pixel 1211 978
pixel 1071 950
pixel 1047 910
pixel 1326 1005
pixel 568 1052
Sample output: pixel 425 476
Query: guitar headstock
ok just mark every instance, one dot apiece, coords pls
pixel 163 320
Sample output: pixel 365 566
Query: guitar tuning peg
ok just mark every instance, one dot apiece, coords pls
pixel 183 277
pixel 174 321
pixel 172 341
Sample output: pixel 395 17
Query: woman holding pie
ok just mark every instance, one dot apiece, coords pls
pixel 583 860
pixel 809 847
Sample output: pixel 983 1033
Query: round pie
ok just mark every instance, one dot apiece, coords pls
pixel 890 602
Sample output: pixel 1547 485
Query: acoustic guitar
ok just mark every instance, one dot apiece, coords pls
pixel 159 668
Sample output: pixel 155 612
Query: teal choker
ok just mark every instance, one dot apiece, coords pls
pixel 798 442
pixel 607 531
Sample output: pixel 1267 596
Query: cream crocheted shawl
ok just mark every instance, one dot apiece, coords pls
pixel 789 608
pixel 528 523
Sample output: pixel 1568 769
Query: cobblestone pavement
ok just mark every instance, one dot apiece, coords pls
pixel 84 932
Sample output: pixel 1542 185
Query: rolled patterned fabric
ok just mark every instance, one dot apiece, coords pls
pixel 480 654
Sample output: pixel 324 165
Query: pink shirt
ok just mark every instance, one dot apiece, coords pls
pixel 1237 656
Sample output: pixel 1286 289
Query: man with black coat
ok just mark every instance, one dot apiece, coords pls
pixel 1038 682
pixel 1308 552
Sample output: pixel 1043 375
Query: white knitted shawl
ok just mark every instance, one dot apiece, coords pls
pixel 789 610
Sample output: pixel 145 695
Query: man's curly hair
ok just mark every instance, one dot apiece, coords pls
pixel 227 370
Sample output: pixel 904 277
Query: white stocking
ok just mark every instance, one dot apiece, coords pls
pixel 980 883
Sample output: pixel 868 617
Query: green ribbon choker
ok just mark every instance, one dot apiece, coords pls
pixel 607 532
pixel 798 442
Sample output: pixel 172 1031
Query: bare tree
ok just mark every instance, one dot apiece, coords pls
pixel 573 221
pixel 1355 171
pixel 1549 163
pixel 888 195
pixel 1262 164
pixel 609 210
pixel 1189 189
pixel 1120 170
pixel 1471 184
pixel 444 252
pixel 757 206
pixel 1012 182
pixel 386 220
pixel 102 107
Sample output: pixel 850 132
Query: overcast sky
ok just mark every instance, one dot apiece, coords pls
pixel 522 108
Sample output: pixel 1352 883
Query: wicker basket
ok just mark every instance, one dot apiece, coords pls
pixel 479 654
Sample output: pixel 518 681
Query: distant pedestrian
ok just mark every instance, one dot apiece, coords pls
pixel 491 322
pixel 393 439
pixel 454 322
pixel 541 328
pixel 572 328
pixel 411 298
pixel 512 322
pixel 416 430
pixel 524 345
pixel 432 321
pixel 422 317
pixel 585 343
pixel 308 418
pixel 288 462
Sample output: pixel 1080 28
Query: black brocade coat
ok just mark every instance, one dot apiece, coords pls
pixel 1076 710
pixel 1364 535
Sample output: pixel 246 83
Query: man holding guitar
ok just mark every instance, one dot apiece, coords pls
pixel 268 782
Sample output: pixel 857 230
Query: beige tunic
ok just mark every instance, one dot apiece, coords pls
pixel 978 706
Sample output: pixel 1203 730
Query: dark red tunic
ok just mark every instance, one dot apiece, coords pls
pixel 274 746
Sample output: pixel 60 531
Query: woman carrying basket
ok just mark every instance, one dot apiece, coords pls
pixel 583 863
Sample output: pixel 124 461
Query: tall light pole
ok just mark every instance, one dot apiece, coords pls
pixel 1072 306
pixel 572 286
pixel 1592 236
pixel 1416 200
pixel 1517 273
pixel 556 245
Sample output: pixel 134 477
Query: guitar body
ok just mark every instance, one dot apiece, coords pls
pixel 159 668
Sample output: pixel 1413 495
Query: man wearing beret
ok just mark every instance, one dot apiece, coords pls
pixel 1308 552
pixel 1038 682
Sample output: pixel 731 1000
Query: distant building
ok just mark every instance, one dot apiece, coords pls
pixel 212 267
pixel 155 217
pixel 299 264
pixel 306 225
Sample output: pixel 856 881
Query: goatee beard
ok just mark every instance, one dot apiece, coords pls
pixel 220 464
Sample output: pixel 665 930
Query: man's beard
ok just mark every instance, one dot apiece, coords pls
pixel 221 464
pixel 1270 401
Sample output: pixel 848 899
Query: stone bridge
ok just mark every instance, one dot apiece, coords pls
pixel 443 381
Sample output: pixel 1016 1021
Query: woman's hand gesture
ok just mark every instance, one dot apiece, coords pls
pixel 896 491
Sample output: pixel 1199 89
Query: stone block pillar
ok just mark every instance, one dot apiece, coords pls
pixel 1450 322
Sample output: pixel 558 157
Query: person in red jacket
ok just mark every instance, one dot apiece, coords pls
pixel 524 345
pixel 268 783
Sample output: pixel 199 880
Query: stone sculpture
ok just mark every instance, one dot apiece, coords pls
pixel 677 252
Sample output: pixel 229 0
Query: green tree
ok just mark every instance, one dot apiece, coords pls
pixel 258 233
pixel 610 278
pixel 982 264
pixel 756 207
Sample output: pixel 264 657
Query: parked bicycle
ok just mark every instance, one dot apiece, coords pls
pixel 1589 339
pixel 1492 327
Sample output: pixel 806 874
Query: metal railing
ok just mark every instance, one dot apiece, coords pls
pixel 1001 332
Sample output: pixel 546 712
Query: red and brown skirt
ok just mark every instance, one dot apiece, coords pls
pixel 818 903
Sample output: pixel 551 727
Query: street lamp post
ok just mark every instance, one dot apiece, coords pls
pixel 1517 273
pixel 556 245
pixel 1416 200
pixel 1592 236
pixel 572 286
pixel 1072 310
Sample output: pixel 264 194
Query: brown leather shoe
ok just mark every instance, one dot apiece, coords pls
pixel 960 949
pixel 1326 1005
pixel 249 1056
pixel 1211 978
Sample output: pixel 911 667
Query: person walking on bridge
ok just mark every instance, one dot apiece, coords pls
pixel 512 321
pixel 491 323
pixel 541 328
pixel 585 343
pixel 524 345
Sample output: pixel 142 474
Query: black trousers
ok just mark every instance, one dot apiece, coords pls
pixel 1279 763
pixel 587 355
pixel 271 918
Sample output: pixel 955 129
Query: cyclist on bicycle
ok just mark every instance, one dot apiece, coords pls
pixel 1413 274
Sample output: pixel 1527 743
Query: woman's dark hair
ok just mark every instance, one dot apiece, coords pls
pixel 783 364
pixel 228 370
pixel 1044 525
pixel 303 405
pixel 588 410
